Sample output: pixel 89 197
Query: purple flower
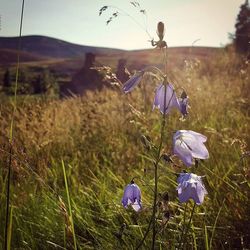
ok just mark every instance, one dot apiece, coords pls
pixel 188 145
pixel 183 100
pixel 190 186
pixel 132 196
pixel 170 101
pixel 132 82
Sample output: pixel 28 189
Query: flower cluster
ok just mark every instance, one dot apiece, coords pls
pixel 187 145
pixel 165 96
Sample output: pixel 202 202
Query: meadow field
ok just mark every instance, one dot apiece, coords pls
pixel 73 157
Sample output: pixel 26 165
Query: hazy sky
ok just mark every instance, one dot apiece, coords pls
pixel 77 21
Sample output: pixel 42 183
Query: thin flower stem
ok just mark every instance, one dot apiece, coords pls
pixel 11 135
pixel 146 233
pixel 183 228
pixel 132 18
pixel 158 158
pixel 163 124
pixel 153 68
pixel 188 226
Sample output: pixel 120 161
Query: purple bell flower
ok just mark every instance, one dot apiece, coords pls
pixel 190 186
pixel 132 82
pixel 188 145
pixel 132 196
pixel 183 100
pixel 171 99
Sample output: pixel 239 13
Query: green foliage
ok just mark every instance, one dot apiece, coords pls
pixel 98 136
pixel 242 34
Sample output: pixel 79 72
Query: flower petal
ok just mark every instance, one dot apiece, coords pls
pixel 170 101
pixel 128 195
pixel 198 136
pixel 189 141
pixel 200 193
pixel 183 106
pixel 136 206
pixel 184 194
pixel 132 196
pixel 190 186
pixel 132 82
pixel 183 152
pixel 198 149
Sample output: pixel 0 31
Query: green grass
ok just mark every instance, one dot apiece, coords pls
pixel 99 139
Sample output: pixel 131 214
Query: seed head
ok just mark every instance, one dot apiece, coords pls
pixel 160 30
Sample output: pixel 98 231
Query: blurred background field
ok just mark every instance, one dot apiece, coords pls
pixel 98 137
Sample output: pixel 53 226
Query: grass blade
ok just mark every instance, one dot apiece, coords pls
pixel 69 204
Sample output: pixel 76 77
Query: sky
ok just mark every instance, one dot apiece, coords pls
pixel 207 22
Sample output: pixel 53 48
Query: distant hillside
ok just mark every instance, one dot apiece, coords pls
pixel 51 47
pixel 58 54
pixel 8 56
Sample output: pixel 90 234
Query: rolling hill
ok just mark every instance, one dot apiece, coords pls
pixel 42 46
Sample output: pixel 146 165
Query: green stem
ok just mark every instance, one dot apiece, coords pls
pixel 215 223
pixel 183 228
pixel 163 124
pixel 188 226
pixel 145 235
pixel 69 204
pixel 158 158
pixel 11 135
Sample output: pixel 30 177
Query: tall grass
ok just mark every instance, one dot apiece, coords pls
pixel 69 205
pixel 99 138
pixel 8 225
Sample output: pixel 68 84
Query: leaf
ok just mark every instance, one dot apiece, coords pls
pixel 110 19
pixel 102 9
pixel 133 3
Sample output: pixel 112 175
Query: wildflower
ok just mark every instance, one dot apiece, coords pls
pixel 188 145
pixel 183 101
pixel 190 186
pixel 132 82
pixel 132 196
pixel 170 101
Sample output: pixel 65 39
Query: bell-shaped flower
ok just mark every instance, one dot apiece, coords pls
pixel 130 84
pixel 132 196
pixel 188 145
pixel 170 99
pixel 190 186
pixel 183 101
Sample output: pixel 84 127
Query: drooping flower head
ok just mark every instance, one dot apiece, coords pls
pixel 183 101
pixel 190 186
pixel 133 82
pixel 188 145
pixel 170 100
pixel 160 100
pixel 132 196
